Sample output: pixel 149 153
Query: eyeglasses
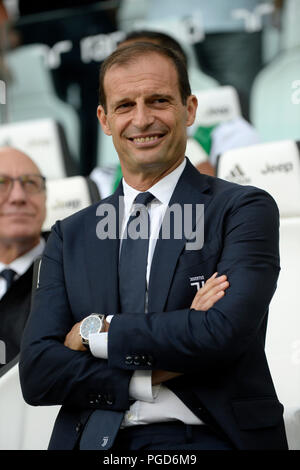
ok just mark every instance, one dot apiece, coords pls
pixel 31 184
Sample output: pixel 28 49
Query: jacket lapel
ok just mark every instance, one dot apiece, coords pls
pixel 190 190
pixel 102 256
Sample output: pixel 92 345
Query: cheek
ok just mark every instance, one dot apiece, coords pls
pixel 40 210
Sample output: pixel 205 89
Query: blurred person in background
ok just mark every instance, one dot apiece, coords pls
pixel 22 213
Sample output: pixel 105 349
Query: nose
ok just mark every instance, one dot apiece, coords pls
pixel 17 195
pixel 143 117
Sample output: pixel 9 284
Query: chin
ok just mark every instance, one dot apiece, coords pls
pixel 21 235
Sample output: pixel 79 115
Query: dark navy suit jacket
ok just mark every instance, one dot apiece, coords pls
pixel 226 381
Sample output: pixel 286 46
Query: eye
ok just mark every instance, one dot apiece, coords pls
pixel 160 101
pixel 124 106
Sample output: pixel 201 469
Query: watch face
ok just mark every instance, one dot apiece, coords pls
pixel 91 324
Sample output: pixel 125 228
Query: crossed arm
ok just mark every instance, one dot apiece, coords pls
pixel 52 372
pixel 205 298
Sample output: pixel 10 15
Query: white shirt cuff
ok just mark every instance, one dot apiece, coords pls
pixel 140 386
pixel 98 343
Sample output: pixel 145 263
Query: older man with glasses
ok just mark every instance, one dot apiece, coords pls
pixel 22 213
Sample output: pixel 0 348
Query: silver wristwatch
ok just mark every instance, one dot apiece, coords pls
pixel 94 323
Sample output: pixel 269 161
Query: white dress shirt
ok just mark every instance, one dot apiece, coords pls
pixel 21 264
pixel 153 403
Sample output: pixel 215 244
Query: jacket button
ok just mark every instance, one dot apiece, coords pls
pixel 109 400
pixel 128 360
pixel 78 427
pixel 137 360
pixel 144 359
pixel 149 361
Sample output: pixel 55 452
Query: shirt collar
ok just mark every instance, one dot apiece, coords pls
pixel 162 190
pixel 21 264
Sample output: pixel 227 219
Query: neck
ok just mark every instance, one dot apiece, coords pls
pixel 143 180
pixel 9 251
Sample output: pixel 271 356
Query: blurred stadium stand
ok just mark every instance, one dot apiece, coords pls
pixel 31 93
pixel 78 39
pixel 275 96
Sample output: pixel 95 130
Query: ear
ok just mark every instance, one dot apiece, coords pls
pixel 102 118
pixel 191 105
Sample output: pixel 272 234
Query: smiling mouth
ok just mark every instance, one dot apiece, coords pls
pixel 146 140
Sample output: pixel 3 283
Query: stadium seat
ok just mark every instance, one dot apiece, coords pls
pixel 195 152
pixel 217 105
pixel 31 93
pixel 44 141
pixel 66 196
pixel 275 167
pixel 275 98
pixel 22 427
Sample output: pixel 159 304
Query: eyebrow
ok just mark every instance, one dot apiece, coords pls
pixel 149 97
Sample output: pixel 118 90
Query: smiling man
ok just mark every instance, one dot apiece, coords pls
pixel 22 213
pixel 141 341
pixel 147 114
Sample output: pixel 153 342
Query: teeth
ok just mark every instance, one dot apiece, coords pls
pixel 141 140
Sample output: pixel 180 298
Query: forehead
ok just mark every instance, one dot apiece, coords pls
pixel 152 73
pixel 14 163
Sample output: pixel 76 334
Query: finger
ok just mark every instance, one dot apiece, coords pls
pixel 210 284
pixel 213 290
pixel 210 297
pixel 213 281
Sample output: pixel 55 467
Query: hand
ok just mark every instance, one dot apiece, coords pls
pixel 212 291
pixel 159 376
pixel 73 339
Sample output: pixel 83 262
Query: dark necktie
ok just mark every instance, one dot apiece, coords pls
pixel 8 275
pixel 133 257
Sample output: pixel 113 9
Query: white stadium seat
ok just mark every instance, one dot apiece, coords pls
pixel 68 195
pixel 275 167
pixel 217 105
pixel 44 141
pixel 29 427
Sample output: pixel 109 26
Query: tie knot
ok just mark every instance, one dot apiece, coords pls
pixel 144 198
pixel 8 275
